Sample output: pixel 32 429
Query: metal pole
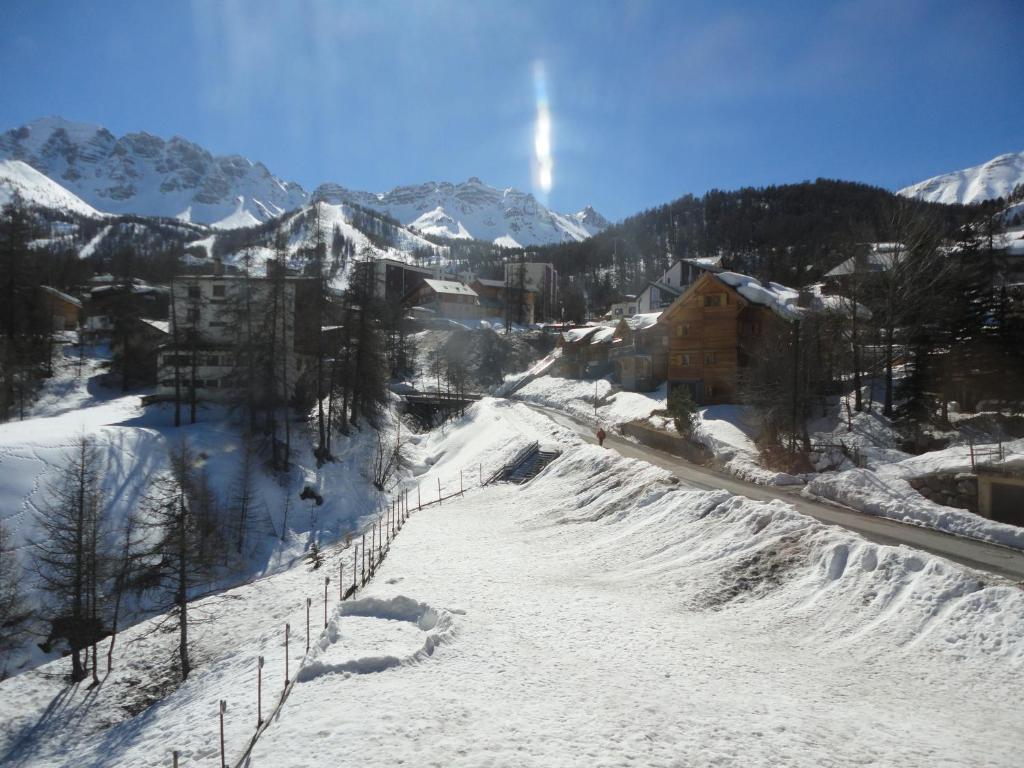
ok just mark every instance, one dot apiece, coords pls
pixel 355 568
pixel 327 581
pixel 223 759
pixel 259 692
pixel 439 490
pixel 363 559
pixel 341 580
pixel 309 602
pixel 286 629
pixel 460 482
pixel 419 501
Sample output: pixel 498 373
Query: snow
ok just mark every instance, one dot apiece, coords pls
pixel 602 614
pixel 472 209
pixel 144 174
pixel 883 489
pixel 133 443
pixel 89 248
pixel 993 179
pixel 450 287
pixel 576 397
pixel 241 217
pixel 643 321
pixel 37 189
pixel 778 298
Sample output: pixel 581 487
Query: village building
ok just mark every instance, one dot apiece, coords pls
pixel 624 308
pixel 65 310
pixel 108 298
pixel 392 279
pixel 715 327
pixel 498 299
pixel 204 333
pixel 659 294
pixel 446 298
pixel 585 352
pixel 539 278
pixel 639 352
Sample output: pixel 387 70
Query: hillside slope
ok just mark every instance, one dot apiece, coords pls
pixel 996 178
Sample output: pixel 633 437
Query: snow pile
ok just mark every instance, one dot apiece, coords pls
pixel 729 433
pixel 643 321
pixel 576 397
pixel 884 489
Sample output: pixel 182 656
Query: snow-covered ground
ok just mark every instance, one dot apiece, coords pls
pixel 601 615
pixel 577 396
pixel 133 443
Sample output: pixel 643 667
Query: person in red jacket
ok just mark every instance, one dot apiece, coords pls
pixel 601 435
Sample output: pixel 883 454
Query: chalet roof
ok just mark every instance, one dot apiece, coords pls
pixel 603 335
pixel 450 287
pixel 707 263
pixel 62 296
pixel 574 335
pixel 490 283
pixel 675 290
pixel 780 299
pixel 872 261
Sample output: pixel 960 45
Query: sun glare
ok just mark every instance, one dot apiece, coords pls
pixel 543 164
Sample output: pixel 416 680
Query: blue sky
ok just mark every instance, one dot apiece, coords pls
pixel 647 100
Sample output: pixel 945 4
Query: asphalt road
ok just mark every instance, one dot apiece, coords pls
pixel 981 555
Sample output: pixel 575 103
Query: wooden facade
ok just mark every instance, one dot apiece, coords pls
pixel 639 354
pixel 712 330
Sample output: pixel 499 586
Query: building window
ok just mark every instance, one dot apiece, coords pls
pixel 218 291
pixel 709 358
pixel 713 300
pixel 687 359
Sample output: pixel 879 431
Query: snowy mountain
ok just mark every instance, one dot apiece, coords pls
pixel 993 179
pixel 144 174
pixel 473 209
pixel 20 178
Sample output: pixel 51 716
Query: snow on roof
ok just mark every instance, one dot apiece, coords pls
pixel 450 287
pixel 710 263
pixel 778 298
pixel 603 335
pixel 62 296
pixel 490 283
pixel 164 326
pixel 643 321
pixel 578 334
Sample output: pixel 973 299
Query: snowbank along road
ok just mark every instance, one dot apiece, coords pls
pixel 976 554
pixel 603 614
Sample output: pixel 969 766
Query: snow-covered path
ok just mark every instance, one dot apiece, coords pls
pixel 603 616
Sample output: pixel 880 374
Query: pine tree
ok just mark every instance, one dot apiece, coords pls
pixel 14 610
pixel 69 559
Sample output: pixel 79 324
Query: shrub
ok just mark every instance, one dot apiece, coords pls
pixel 683 410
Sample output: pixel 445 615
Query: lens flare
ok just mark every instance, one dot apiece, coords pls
pixel 543 164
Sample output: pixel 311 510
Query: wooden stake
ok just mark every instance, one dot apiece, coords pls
pixel 174 756
pixel 223 758
pixel 259 692
pixel 327 581
pixel 286 630
pixel 309 602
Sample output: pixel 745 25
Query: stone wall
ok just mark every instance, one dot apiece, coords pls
pixel 951 489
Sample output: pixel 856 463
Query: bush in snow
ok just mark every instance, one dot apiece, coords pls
pixel 683 410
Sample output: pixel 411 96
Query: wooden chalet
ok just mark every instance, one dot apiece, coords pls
pixel 639 352
pixel 584 351
pixel 65 310
pixel 715 326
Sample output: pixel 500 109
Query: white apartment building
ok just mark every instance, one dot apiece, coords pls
pixel 207 316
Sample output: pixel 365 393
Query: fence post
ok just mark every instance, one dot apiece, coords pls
pixel 259 692
pixel 971 444
pixel 223 758
pixel 419 501
pixel 341 579
pixel 309 602
pixel 327 581
pixel 439 490
pixel 355 568
pixel 481 473
pixel 363 559
pixel 174 756
pixel 460 482
pixel 286 630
